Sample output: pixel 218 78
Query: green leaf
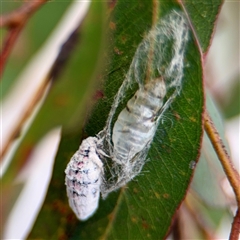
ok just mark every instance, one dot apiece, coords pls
pixel 203 15
pixel 145 208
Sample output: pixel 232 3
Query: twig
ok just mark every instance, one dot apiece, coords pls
pixel 235 231
pixel 223 156
pixel 177 228
pixel 194 213
pixel 19 16
pixel 28 110
pixel 15 21
pixel 7 47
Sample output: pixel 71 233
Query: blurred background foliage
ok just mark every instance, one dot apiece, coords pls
pixel 32 37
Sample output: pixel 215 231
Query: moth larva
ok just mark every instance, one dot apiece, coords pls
pixel 83 179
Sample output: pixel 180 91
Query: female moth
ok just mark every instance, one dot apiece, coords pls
pixel 83 179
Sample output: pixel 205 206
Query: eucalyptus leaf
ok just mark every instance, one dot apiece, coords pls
pixel 146 206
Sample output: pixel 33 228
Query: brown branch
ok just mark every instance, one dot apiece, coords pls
pixel 223 156
pixel 177 228
pixel 194 212
pixel 235 231
pixel 15 21
pixel 28 110
pixel 20 15
pixel 7 47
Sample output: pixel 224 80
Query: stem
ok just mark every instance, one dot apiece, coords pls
pixel 28 111
pixel 223 156
pixel 235 227
pixel 20 15
pixel 194 213
pixel 15 21
pixel 177 228
pixel 11 37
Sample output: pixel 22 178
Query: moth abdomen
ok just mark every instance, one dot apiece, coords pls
pixel 83 179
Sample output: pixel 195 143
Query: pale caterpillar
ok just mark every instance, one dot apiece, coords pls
pixel 156 75
pixel 83 179
pixel 137 122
